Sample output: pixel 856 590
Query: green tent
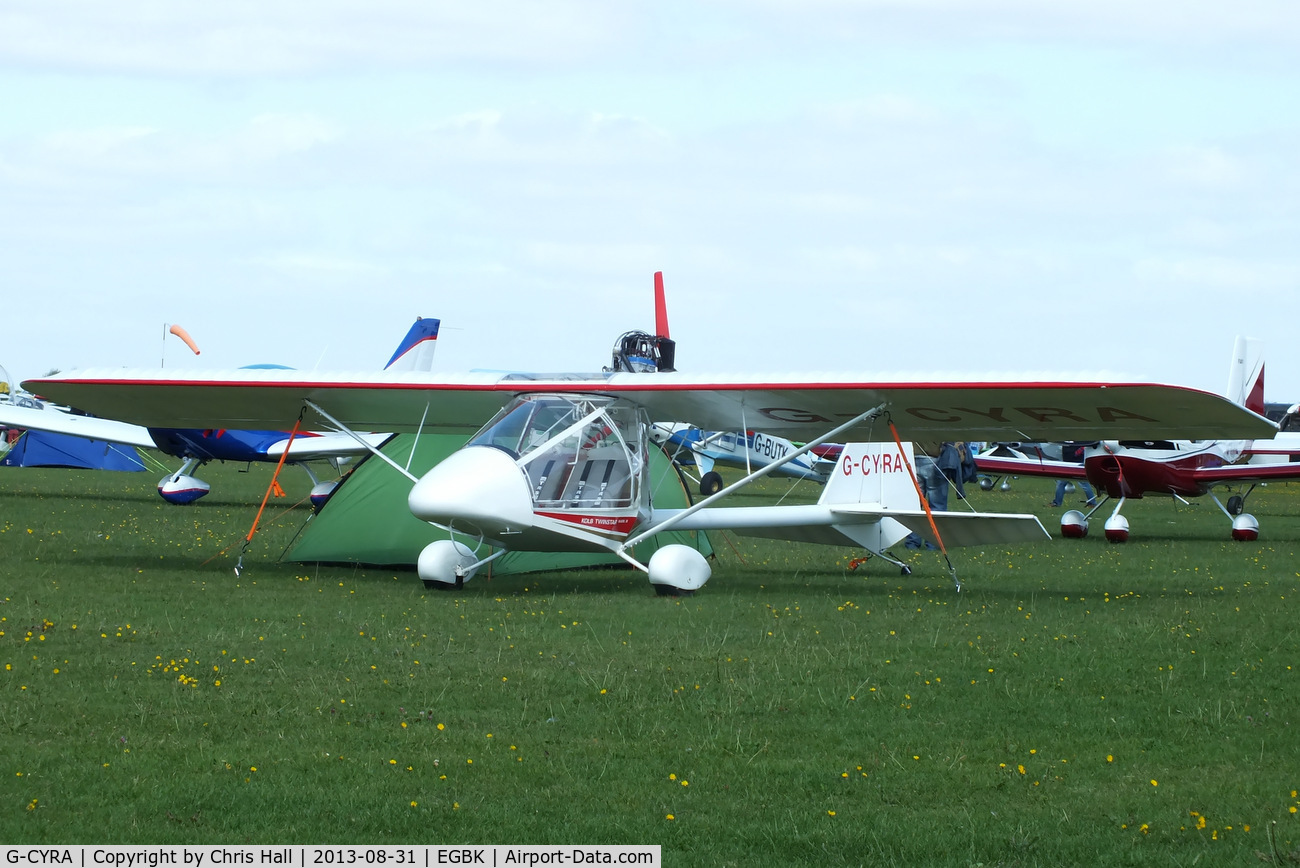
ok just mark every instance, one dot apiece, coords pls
pixel 367 521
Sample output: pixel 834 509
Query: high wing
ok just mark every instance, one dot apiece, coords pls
pixel 90 427
pixel 796 407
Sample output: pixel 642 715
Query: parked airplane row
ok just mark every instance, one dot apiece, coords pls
pixel 560 464
pixel 1124 469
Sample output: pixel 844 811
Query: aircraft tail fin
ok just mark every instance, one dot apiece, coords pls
pixel 872 484
pixel 415 352
pixel 1246 376
pixel 873 473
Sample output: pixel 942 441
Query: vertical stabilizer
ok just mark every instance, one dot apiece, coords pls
pixel 873 473
pixel 415 352
pixel 1246 376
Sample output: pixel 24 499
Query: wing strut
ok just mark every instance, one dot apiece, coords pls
pixel 339 426
pixel 926 504
pixel 418 432
pixel 757 474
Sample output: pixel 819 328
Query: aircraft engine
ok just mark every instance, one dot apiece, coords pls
pixel 1245 528
pixel 678 570
pixel 1117 529
pixel 445 564
pixel 1074 525
pixel 182 489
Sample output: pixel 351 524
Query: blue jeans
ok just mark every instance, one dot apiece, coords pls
pixel 1059 497
pixel 935 487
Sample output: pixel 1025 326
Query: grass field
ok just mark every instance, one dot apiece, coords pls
pixel 1077 703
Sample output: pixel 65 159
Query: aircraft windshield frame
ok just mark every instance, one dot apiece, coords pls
pixel 561 440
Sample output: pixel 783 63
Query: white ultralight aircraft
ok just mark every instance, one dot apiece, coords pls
pixel 561 464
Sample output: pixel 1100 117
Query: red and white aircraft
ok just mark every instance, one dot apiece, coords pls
pixel 561 463
pixel 1124 469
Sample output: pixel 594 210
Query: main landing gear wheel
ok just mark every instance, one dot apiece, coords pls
pixel 445 564
pixel 1245 528
pixel 710 483
pixel 1074 524
pixel 670 591
pixel 678 571
pixel 1117 529
pixel 907 571
pixel 1235 504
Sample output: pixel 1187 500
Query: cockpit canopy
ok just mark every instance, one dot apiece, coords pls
pixel 580 453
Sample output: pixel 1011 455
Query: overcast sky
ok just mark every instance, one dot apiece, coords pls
pixel 828 185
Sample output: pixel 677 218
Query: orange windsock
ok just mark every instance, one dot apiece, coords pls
pixel 185 336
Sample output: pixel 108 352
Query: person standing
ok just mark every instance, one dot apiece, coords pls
pixel 1072 451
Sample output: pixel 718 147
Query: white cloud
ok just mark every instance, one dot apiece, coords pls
pixel 1204 166
pixel 1169 22
pixel 521 169
pixel 258 37
pixel 316 266
pixel 94 144
pixel 1233 276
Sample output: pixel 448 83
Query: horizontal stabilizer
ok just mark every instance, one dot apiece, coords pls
pixel 957 528
pixel 855 525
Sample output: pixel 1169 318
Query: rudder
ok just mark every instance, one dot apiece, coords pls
pixel 873 473
pixel 415 352
pixel 1246 375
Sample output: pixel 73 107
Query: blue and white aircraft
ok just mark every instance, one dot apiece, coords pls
pixel 747 450
pixel 197 447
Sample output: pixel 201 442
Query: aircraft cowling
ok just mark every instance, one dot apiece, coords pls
pixel 478 490
pixel 181 489
pixel 1245 528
